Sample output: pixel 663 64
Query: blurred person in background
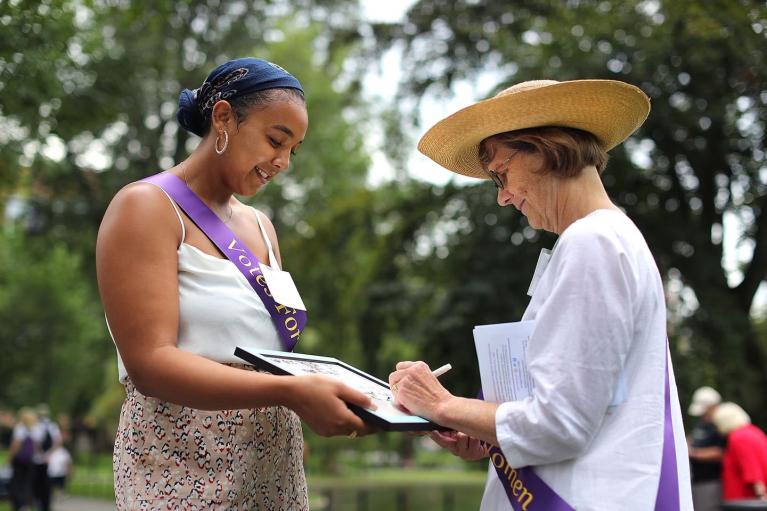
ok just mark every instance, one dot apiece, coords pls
pixel 744 464
pixel 48 437
pixel 25 446
pixel 706 448
pixel 59 467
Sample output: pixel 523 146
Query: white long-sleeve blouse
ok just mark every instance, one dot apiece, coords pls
pixel 600 324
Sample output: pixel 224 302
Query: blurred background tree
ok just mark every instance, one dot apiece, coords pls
pixel 399 269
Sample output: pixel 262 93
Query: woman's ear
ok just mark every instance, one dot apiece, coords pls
pixel 222 117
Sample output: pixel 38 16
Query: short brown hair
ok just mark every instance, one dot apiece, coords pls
pixel 565 151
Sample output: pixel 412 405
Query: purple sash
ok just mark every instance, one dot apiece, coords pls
pixel 528 492
pixel 668 486
pixel 525 490
pixel 289 322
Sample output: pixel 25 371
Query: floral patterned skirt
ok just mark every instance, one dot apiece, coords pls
pixel 170 457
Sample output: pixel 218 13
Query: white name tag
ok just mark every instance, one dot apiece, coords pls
pixel 540 267
pixel 282 287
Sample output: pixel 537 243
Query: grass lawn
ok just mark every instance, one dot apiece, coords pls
pixel 392 477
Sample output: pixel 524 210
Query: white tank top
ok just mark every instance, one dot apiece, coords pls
pixel 218 309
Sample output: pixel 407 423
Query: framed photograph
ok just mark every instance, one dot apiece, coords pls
pixel 387 416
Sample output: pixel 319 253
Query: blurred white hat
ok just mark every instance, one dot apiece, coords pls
pixel 728 417
pixel 703 399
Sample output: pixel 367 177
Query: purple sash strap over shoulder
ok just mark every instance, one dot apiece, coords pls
pixel 288 321
pixel 528 492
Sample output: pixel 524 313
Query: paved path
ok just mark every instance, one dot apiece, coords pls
pixel 71 503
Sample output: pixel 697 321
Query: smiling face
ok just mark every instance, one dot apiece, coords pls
pixel 525 185
pixel 260 145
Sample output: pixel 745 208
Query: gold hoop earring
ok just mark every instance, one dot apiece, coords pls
pixel 226 144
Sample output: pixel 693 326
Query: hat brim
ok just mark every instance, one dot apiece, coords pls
pixel 609 109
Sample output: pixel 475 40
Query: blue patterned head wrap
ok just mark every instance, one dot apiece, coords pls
pixel 228 81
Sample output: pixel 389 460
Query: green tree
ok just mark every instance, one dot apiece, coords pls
pixel 51 330
pixel 109 101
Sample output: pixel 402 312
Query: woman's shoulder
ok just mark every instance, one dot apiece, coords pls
pixel 747 433
pixel 139 194
pixel 258 214
pixel 263 218
pixel 140 206
pixel 604 240
pixel 605 228
pixel 598 221
pixel 597 228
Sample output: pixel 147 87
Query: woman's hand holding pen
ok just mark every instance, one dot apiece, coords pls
pixel 416 388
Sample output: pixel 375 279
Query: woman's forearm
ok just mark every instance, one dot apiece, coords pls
pixel 187 379
pixel 180 377
pixel 474 417
pixel 707 454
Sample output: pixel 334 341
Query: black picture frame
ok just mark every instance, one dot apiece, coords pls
pixel 387 417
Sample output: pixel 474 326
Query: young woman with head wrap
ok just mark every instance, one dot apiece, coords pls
pixel 199 430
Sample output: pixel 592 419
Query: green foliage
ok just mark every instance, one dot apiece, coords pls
pixel 332 163
pixel 50 327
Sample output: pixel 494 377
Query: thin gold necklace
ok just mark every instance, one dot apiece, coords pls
pixel 183 174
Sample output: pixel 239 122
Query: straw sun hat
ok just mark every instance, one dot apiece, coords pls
pixel 609 109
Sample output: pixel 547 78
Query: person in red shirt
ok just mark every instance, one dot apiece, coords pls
pixel 744 465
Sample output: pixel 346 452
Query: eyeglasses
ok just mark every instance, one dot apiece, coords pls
pixel 498 178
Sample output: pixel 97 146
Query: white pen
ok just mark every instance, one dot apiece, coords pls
pixel 441 370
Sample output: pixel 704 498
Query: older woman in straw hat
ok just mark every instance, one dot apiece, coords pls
pixel 602 429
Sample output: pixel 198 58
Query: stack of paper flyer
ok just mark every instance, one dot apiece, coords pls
pixel 502 354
